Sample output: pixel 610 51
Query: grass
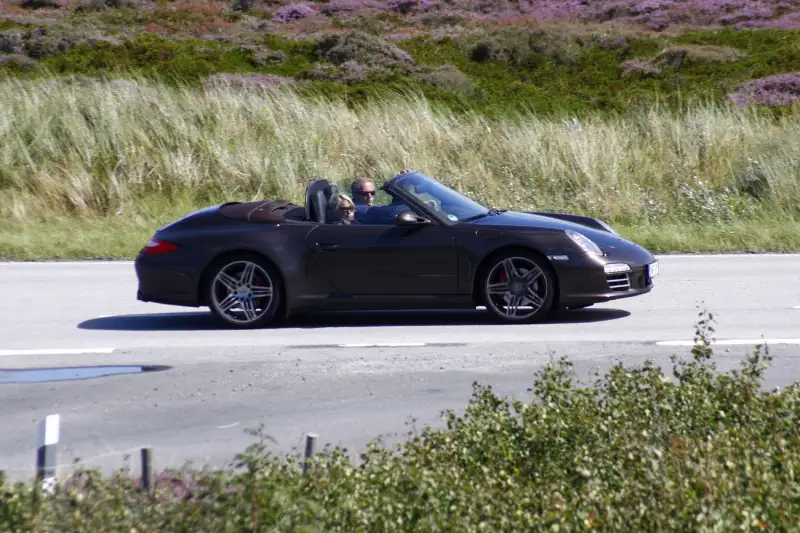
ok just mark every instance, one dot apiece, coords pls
pixel 635 449
pixel 117 159
pixel 481 95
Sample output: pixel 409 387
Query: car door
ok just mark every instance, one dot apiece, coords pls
pixel 382 259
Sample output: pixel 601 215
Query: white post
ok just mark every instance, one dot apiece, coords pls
pixel 49 430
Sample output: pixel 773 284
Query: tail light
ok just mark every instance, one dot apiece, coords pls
pixel 156 246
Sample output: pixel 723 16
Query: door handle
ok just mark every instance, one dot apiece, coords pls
pixel 327 246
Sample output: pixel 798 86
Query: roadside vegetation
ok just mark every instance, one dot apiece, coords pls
pixel 675 122
pixel 499 56
pixel 636 449
pixel 92 167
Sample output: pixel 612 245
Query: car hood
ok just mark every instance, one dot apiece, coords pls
pixel 608 242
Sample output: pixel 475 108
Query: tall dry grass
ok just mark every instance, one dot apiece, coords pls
pixel 96 147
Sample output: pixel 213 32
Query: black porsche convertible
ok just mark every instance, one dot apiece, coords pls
pixel 426 247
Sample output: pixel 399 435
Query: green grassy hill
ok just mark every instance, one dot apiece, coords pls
pixel 497 56
pixel 674 121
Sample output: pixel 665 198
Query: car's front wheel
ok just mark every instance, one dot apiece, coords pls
pixel 518 287
pixel 244 291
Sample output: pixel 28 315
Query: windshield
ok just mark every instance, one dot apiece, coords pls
pixel 444 200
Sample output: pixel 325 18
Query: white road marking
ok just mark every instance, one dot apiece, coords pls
pixel 88 262
pixel 58 351
pixel 724 256
pixel 228 426
pixel 383 345
pixel 732 342
pixel 796 307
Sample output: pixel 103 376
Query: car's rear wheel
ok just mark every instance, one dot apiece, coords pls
pixel 518 287
pixel 244 291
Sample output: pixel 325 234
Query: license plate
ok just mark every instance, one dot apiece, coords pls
pixel 652 269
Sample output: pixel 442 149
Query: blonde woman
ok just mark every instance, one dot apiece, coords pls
pixel 345 210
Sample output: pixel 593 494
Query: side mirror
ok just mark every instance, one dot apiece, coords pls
pixel 408 218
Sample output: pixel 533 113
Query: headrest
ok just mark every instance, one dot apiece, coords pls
pixel 315 204
pixel 319 203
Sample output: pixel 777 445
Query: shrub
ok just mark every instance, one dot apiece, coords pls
pixel 338 7
pixel 18 61
pixel 447 77
pixel 40 4
pixel 361 47
pixel 406 6
pixel 184 59
pixel 788 21
pixel 265 56
pixel 293 12
pixel 633 450
pixel 777 90
pixel 12 41
pixel 101 5
pixel 40 42
pixel 640 67
pixel 348 72
pixel 678 56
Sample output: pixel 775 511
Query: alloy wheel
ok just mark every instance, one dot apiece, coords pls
pixel 516 288
pixel 242 292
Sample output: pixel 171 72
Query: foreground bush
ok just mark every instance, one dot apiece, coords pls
pixel 634 451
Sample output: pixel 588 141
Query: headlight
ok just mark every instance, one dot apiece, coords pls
pixel 584 242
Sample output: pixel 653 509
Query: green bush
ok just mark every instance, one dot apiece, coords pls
pixel 636 450
pixel 358 46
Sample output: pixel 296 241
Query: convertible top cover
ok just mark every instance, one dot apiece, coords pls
pixel 263 211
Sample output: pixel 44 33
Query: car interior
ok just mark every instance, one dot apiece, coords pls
pixel 320 206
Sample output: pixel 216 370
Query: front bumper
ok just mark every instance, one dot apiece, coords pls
pixel 596 286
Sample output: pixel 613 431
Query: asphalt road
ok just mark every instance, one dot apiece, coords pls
pixel 347 377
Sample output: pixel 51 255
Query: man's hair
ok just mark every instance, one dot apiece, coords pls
pixel 356 185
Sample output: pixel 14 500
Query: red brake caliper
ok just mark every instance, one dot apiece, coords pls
pixel 260 298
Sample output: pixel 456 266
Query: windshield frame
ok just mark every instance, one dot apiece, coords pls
pixel 473 208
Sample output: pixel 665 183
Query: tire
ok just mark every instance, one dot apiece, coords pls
pixel 496 291
pixel 266 301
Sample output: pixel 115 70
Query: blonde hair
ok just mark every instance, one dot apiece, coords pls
pixel 344 201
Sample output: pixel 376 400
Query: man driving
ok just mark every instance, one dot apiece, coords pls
pixel 363 193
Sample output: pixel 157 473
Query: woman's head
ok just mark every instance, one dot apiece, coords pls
pixel 345 208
